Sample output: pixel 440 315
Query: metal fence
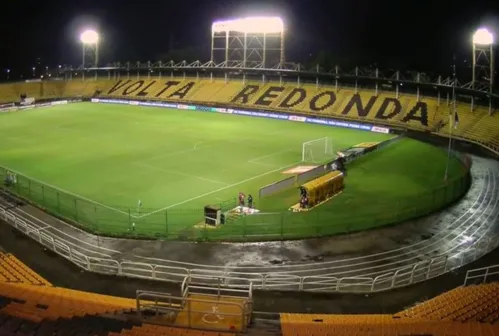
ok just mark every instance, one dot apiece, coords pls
pixel 180 224
pixel 403 276
pixel 289 225
pixel 482 275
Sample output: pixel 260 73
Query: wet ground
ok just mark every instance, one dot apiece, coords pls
pixel 65 274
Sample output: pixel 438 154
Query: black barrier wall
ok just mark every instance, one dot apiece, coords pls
pixel 277 187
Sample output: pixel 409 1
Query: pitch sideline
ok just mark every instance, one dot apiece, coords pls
pixel 220 189
pixel 70 193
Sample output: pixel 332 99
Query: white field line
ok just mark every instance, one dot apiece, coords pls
pixel 69 193
pixel 199 145
pixel 194 148
pixel 183 151
pixel 179 173
pixel 255 160
pixel 220 189
pixel 269 155
pixel 262 164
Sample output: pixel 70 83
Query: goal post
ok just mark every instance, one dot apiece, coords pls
pixel 317 150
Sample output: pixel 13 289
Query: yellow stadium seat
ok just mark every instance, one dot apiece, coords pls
pixel 27 274
pixel 473 303
pixel 54 302
pixel 156 330
pixel 345 325
pixel 13 270
pixel 8 93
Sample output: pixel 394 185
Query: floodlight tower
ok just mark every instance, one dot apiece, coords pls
pixel 256 42
pixel 90 49
pixel 483 60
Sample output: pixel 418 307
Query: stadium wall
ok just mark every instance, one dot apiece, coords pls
pixel 55 102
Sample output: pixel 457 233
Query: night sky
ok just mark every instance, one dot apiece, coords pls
pixel 420 35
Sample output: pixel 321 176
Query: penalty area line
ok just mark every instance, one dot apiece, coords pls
pixel 268 155
pixel 220 189
pixel 179 173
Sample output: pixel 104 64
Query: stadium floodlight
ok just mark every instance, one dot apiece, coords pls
pixel 483 37
pixel 249 42
pixel 249 25
pixel 90 44
pixel 483 60
pixel 89 37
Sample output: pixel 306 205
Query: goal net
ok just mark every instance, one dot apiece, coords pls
pixel 318 150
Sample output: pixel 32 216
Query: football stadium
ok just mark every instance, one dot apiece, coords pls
pixel 248 195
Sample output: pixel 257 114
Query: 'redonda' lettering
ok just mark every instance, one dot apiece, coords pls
pixel 299 99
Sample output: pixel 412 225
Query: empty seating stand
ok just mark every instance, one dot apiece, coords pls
pixel 41 302
pixel 473 303
pixel 13 270
pixel 80 326
pixel 91 326
pixel 379 325
pixel 155 330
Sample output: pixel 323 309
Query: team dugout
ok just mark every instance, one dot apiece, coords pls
pixel 323 188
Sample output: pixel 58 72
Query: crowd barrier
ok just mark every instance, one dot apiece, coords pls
pixel 13 108
pixel 220 276
pixel 482 275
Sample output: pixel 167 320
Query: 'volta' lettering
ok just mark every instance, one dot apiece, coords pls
pixel 144 92
pixel 183 91
pixel 331 99
pixel 270 94
pixel 356 101
pixel 118 86
pixel 132 88
pixel 243 96
pixel 168 85
pixel 295 97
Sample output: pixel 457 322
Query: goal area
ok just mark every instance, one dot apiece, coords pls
pixel 317 150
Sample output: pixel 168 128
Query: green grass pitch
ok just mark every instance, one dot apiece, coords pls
pixel 177 161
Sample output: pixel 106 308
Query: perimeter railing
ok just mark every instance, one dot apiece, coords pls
pixel 482 275
pixel 403 276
